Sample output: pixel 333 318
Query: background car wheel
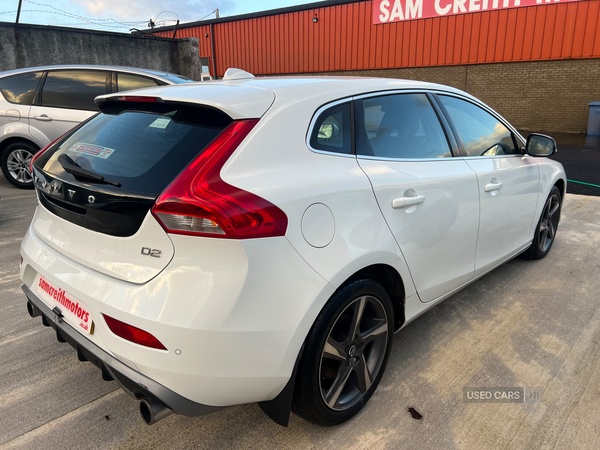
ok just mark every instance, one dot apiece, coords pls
pixel 545 232
pixel 15 161
pixel 345 354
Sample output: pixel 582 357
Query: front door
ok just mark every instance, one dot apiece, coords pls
pixel 508 181
pixel 428 198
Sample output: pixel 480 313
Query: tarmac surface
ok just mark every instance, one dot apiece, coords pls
pixel 580 156
pixel 526 324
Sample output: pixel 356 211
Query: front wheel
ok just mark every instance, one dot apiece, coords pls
pixel 15 161
pixel 345 354
pixel 545 232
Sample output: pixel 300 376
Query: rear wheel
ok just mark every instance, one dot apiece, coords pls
pixel 345 354
pixel 545 233
pixel 15 161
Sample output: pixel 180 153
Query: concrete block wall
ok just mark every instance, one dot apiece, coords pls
pixel 35 45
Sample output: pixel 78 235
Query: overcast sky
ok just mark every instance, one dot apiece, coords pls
pixel 121 15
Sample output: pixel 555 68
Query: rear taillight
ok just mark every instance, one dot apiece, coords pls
pixel 198 202
pixel 133 334
pixel 38 154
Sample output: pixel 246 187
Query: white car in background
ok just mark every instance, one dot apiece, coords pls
pixel 39 104
pixel 261 240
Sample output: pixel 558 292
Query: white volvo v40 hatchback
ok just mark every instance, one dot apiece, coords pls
pixel 261 240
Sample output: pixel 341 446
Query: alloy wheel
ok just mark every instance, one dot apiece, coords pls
pixel 18 163
pixel 549 223
pixel 353 353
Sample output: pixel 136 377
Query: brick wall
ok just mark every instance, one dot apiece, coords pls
pixel 541 96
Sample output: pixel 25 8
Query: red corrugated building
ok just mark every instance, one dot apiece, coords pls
pixel 536 64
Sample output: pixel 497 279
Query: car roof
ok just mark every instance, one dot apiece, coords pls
pixel 252 97
pixel 335 87
pixel 155 73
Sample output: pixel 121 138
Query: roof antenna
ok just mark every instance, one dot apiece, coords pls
pixel 237 74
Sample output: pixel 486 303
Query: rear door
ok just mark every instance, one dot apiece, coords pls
pixel 428 198
pixel 508 180
pixel 18 92
pixel 140 148
pixel 65 100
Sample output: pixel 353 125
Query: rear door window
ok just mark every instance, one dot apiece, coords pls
pixel 74 89
pixel 127 82
pixel 20 89
pixel 402 126
pixel 143 148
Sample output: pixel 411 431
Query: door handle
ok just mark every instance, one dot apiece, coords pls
pixel 43 118
pixel 403 202
pixel 492 187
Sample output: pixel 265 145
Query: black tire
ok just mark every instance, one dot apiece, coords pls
pixel 545 232
pixel 318 373
pixel 15 163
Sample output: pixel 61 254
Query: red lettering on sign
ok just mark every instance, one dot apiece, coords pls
pixel 386 11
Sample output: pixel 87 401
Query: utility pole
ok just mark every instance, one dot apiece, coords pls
pixel 17 21
pixel 217 11
pixel 21 2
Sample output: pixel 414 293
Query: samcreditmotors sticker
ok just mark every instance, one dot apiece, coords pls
pixel 93 150
pixel 73 310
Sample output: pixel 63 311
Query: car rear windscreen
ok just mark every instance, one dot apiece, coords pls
pixel 142 148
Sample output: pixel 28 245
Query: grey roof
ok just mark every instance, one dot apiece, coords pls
pixel 155 73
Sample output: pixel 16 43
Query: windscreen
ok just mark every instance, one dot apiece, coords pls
pixel 142 148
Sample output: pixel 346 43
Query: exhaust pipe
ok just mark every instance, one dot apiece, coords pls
pixel 152 411
pixel 32 310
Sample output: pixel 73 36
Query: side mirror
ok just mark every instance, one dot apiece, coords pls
pixel 540 145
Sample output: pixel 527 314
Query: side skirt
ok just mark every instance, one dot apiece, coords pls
pixel 414 307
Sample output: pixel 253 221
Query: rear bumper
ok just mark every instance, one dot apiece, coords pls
pixel 134 383
pixel 233 313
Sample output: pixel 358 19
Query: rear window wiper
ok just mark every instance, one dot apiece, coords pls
pixel 77 171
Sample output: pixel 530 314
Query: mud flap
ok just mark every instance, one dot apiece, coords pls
pixel 280 407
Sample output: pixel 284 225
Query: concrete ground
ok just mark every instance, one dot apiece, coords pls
pixel 532 324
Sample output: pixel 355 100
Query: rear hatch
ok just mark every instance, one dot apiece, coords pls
pixel 139 146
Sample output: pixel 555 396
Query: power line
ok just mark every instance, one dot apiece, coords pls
pixel 74 15
pixel 209 14
pixel 95 21
pixel 137 22
pixel 86 19
pixel 66 15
